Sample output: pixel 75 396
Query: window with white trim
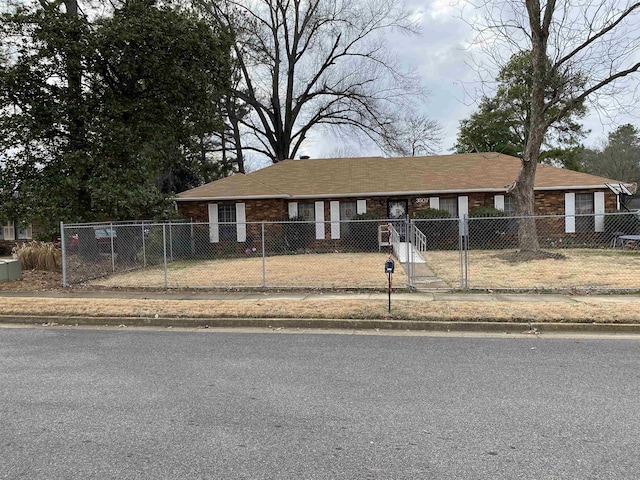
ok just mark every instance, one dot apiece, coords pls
pixel 584 206
pixel 348 210
pixel 10 231
pixel 307 212
pixel 24 233
pixel 509 206
pixel 450 205
pixel 227 221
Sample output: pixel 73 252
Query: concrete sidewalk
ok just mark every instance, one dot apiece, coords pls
pixel 311 296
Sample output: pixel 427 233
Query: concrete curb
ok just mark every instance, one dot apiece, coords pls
pixel 345 324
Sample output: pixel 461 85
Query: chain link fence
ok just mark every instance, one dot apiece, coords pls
pixel 586 252
pixel 348 254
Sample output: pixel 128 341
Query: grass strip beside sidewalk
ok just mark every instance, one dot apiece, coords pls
pixel 521 311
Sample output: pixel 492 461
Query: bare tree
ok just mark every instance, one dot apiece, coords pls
pixel 305 64
pixel 592 38
pixel 416 135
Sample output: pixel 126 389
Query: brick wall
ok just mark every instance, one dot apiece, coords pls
pixel 546 203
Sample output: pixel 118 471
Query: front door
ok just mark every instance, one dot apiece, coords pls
pixel 398 210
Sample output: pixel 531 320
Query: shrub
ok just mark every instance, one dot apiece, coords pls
pixel 483 212
pixel 298 233
pixel 37 255
pixel 438 226
pixel 431 213
pixel 490 228
pixel 363 232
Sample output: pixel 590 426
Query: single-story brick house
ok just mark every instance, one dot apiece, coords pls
pixel 327 191
pixel 12 233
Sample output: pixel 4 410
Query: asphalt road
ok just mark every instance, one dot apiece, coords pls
pixel 124 404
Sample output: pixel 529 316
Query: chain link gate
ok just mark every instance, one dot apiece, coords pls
pixel 437 258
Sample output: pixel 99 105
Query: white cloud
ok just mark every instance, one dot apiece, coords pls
pixel 442 57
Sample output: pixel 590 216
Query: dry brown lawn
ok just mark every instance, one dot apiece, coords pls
pixel 331 270
pixel 580 269
pixel 551 311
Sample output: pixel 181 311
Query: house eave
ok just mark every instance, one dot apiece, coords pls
pixel 574 187
pixel 381 194
pixel 231 198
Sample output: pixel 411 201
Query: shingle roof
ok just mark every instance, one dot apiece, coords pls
pixel 370 176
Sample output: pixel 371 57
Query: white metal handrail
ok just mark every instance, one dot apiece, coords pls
pixel 394 239
pixel 419 240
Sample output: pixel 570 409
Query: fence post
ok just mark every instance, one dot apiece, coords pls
pixel 193 240
pixel 264 270
pixel 464 253
pixel 144 247
pixel 461 252
pixel 164 256
pixel 410 249
pixel 171 240
pixel 64 255
pixel 113 255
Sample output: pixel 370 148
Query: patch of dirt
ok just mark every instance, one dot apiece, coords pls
pixel 34 281
pixel 527 256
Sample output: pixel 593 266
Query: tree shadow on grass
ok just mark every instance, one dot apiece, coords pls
pixel 522 256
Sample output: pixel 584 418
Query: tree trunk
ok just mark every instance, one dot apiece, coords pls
pixel 87 245
pixel 536 128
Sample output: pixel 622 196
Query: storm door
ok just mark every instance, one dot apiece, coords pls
pixel 398 210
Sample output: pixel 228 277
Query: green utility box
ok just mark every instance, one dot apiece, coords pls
pixel 10 270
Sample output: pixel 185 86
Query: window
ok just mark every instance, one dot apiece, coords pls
pixel 9 231
pixel 347 212
pixel 509 206
pixel 450 205
pixel 584 203
pixel 584 206
pixel 24 233
pixel 306 211
pixel 227 221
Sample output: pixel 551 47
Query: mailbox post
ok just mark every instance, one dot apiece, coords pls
pixel 389 267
